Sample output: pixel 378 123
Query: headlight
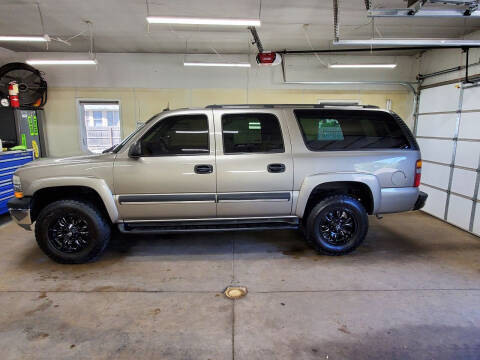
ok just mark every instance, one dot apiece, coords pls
pixel 17 186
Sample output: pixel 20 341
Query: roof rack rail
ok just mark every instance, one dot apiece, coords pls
pixel 271 106
pixel 352 104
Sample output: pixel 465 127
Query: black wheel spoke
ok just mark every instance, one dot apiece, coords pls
pixel 337 226
pixel 69 233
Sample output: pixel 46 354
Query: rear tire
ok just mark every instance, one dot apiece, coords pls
pixel 337 225
pixel 72 231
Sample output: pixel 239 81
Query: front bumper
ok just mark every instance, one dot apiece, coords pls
pixel 420 203
pixel 20 211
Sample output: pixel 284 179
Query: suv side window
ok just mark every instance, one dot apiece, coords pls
pixel 333 130
pixel 177 135
pixel 251 133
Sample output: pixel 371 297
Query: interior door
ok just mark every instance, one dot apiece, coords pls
pixel 175 176
pixel 254 163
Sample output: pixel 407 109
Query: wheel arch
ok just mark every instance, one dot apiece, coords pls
pixel 46 191
pixel 364 187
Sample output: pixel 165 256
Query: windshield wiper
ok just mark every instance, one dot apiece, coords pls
pixel 110 149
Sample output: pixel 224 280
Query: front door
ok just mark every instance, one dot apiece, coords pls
pixel 254 163
pixel 175 176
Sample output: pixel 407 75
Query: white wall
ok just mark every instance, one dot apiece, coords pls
pixel 153 71
pixel 146 83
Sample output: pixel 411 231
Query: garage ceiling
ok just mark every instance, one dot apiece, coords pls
pixel 120 25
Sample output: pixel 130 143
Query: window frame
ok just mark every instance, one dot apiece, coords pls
pixel 395 118
pixel 81 120
pixel 157 123
pixel 256 152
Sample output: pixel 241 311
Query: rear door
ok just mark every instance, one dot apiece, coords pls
pixel 254 163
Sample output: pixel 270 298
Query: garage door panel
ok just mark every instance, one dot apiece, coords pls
pixel 436 150
pixel 439 99
pixel 467 154
pixel 435 175
pixel 470 126
pixel 436 201
pixel 459 210
pixel 437 125
pixel 470 99
pixel 452 184
pixel 463 182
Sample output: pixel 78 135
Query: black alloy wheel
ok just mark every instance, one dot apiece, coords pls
pixel 337 225
pixel 72 231
pixel 69 233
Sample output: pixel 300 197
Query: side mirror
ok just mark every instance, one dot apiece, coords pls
pixel 135 150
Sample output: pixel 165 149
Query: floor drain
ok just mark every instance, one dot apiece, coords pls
pixel 235 292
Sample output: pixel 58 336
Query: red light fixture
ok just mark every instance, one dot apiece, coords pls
pixel 269 58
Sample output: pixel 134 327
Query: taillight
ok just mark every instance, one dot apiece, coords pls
pixel 418 173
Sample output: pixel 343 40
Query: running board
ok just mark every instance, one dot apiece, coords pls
pixel 202 225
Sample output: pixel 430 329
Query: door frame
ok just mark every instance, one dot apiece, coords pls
pixel 242 199
pixel 154 201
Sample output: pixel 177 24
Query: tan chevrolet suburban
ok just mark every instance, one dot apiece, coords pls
pixel 320 167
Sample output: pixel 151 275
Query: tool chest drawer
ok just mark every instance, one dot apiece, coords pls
pixel 9 162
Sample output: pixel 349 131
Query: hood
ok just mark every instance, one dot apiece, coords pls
pixel 70 160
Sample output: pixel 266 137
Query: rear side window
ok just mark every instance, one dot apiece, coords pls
pixel 251 133
pixel 351 130
pixel 177 135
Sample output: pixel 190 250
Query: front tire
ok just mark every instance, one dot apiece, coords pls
pixel 72 231
pixel 337 225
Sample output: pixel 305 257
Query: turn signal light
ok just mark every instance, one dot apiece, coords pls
pixel 418 173
pixel 18 194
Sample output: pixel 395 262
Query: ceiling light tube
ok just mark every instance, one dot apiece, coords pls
pixel 61 62
pixel 410 42
pixel 362 66
pixel 202 21
pixel 43 38
pixel 441 13
pixel 245 65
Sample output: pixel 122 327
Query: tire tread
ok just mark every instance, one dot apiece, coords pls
pixel 309 237
pixel 102 223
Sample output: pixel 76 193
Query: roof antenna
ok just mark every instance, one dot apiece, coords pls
pixel 168 107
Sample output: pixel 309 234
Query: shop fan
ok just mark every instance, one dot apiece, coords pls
pixel 32 87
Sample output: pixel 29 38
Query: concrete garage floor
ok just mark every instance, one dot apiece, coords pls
pixel 411 292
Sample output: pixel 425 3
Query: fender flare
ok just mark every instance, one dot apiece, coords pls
pixel 313 181
pixel 97 185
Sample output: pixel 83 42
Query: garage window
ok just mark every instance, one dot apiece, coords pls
pixel 177 135
pixel 251 133
pixel 100 122
pixel 351 130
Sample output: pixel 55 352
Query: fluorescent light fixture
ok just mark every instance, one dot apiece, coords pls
pixel 409 42
pixel 246 65
pixel 62 62
pixel 362 66
pixel 44 38
pixel 440 13
pixel 201 21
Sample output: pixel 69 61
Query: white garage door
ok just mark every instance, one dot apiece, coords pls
pixel 448 132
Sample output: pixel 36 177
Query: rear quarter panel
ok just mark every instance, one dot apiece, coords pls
pixel 391 168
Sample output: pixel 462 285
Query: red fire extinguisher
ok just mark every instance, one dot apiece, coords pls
pixel 13 92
